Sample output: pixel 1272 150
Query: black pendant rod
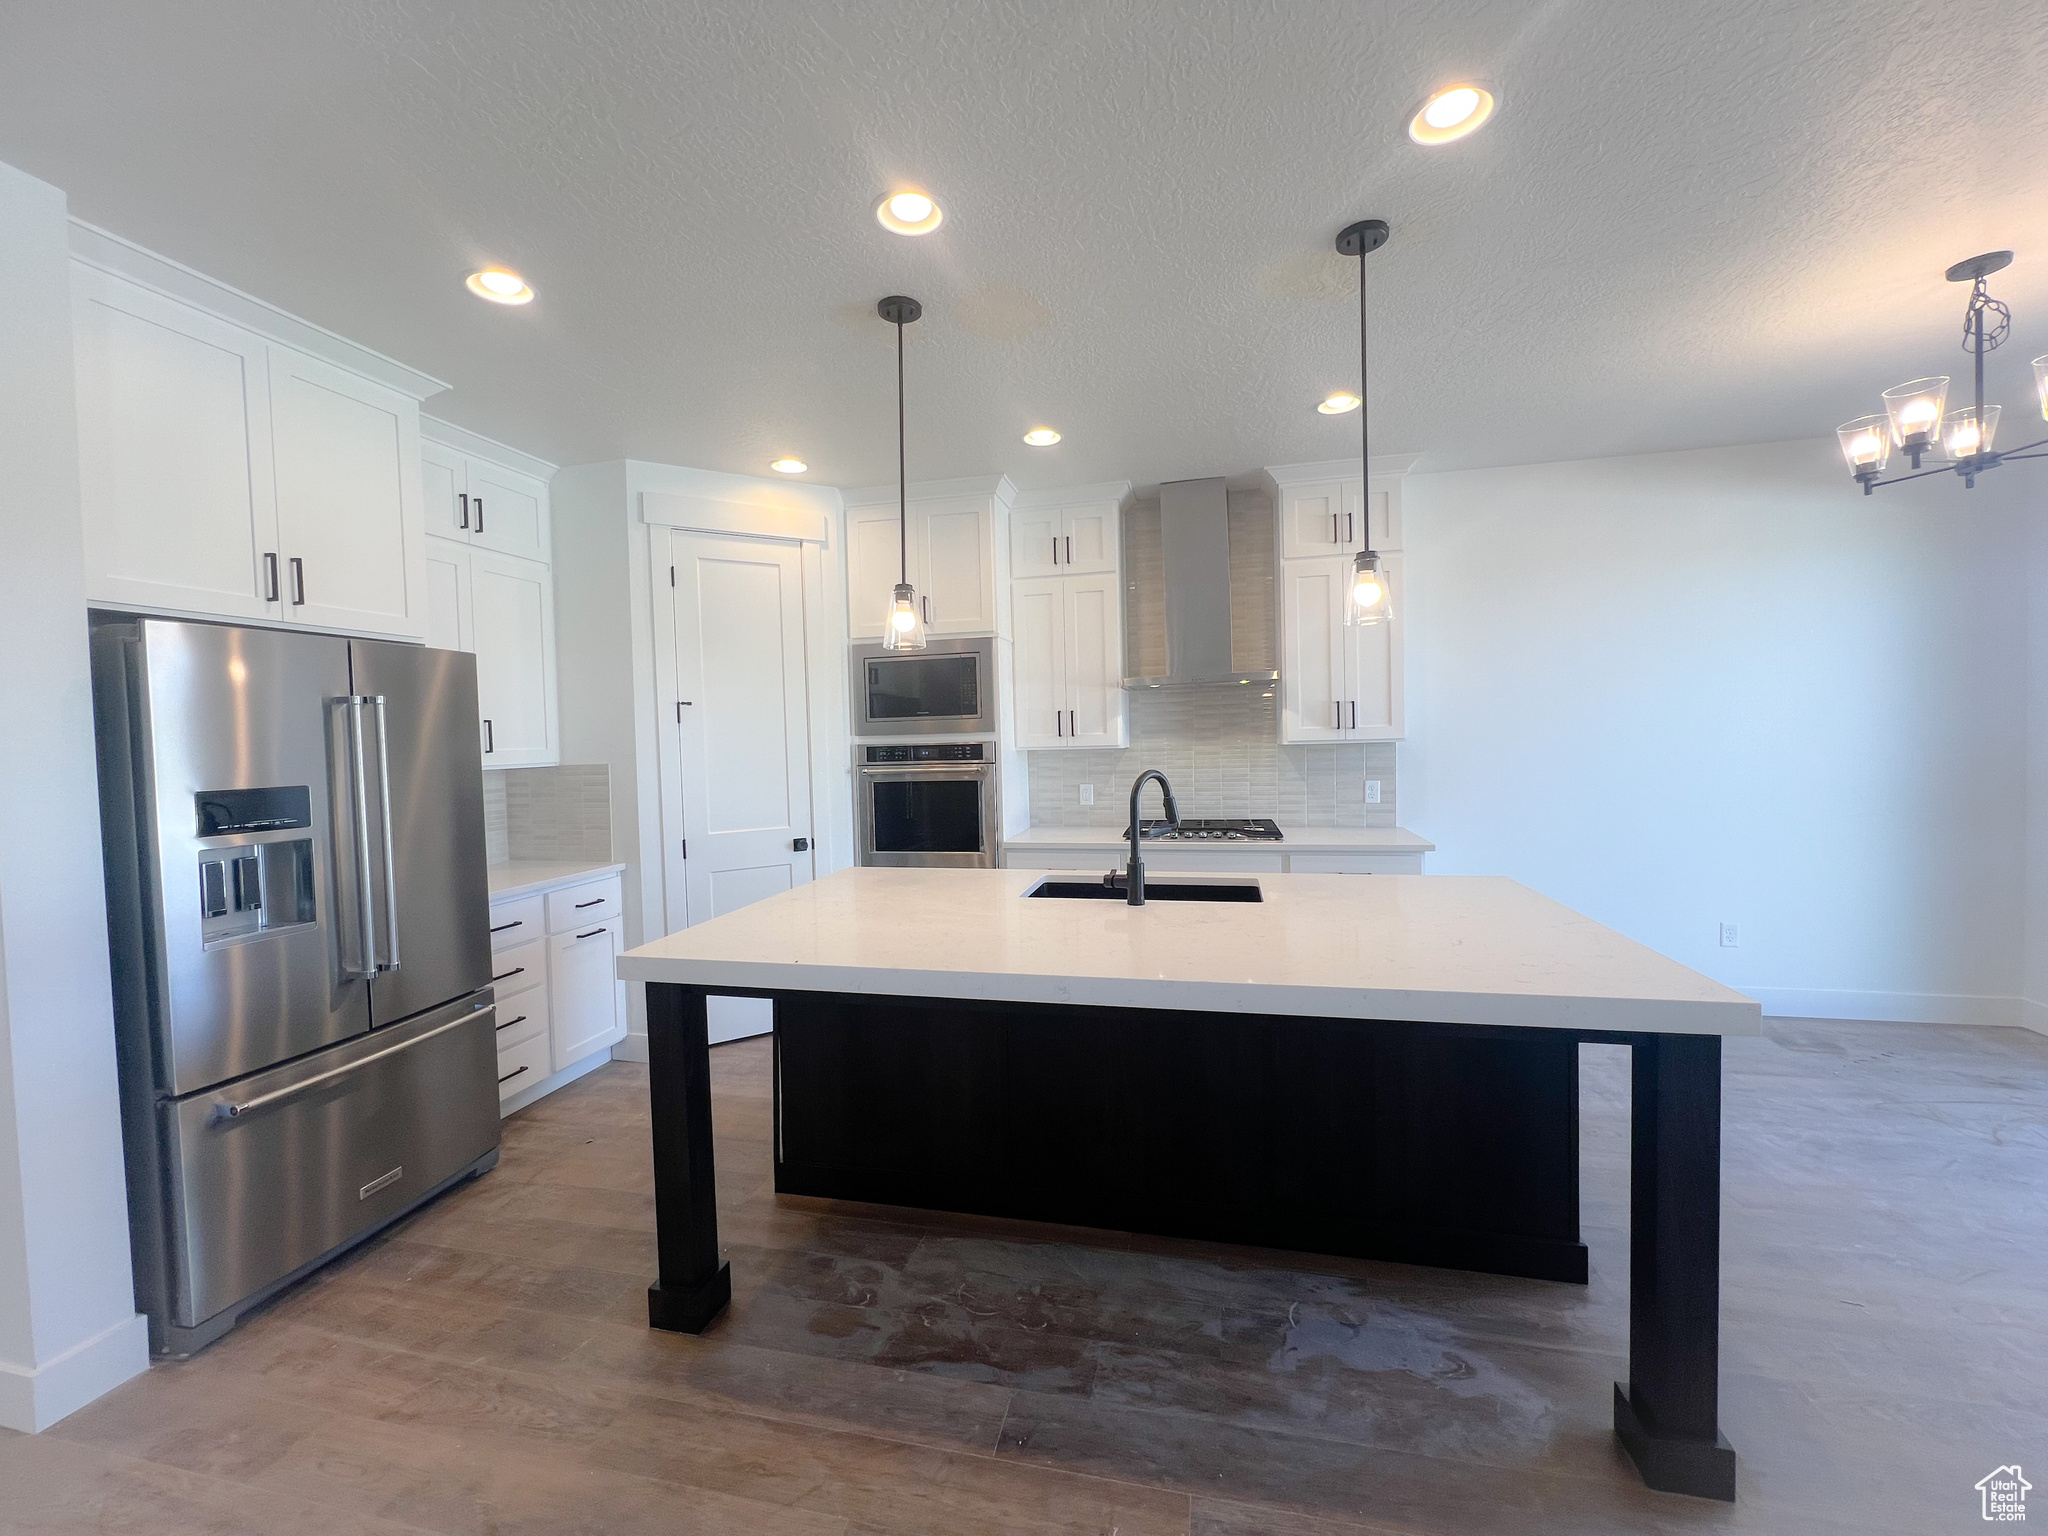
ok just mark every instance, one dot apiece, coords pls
pixel 1364 417
pixel 902 475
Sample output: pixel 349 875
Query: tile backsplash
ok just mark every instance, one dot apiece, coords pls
pixel 548 813
pixel 1221 749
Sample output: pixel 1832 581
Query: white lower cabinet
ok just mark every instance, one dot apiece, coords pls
pixel 503 609
pixel 559 1000
pixel 582 991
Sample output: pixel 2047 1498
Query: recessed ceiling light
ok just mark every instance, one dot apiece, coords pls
pixel 909 213
pixel 1450 114
pixel 789 466
pixel 1041 437
pixel 1340 402
pixel 501 285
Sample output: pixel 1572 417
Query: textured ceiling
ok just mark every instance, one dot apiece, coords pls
pixel 1687 224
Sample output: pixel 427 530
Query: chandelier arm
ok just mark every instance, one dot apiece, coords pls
pixel 1943 469
pixel 2003 457
pixel 2039 442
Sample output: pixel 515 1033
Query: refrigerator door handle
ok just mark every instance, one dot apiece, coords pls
pixel 390 855
pixel 366 915
pixel 279 1095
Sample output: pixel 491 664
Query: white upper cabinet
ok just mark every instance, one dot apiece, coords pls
pixel 959 586
pixel 349 521
pixel 483 503
pixel 948 541
pixel 1067 619
pixel 514 629
pixel 1338 681
pixel 1062 537
pixel 225 474
pixel 174 454
pixel 451 623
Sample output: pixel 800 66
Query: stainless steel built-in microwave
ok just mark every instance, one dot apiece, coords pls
pixel 946 689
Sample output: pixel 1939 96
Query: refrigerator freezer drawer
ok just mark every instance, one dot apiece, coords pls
pixel 269 1173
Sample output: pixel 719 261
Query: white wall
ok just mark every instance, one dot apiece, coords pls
pixel 1681 689
pixel 68 1326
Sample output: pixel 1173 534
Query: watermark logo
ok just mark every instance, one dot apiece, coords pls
pixel 2005 1495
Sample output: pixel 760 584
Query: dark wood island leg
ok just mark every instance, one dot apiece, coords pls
pixel 1667 1414
pixel 693 1287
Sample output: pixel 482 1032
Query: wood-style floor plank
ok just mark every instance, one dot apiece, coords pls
pixel 486 1367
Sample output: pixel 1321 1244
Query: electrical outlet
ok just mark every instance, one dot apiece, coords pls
pixel 1087 794
pixel 1372 791
pixel 1731 936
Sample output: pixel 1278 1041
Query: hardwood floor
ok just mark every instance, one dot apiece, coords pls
pixel 487 1366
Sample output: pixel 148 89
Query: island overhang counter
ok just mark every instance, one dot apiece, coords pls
pixel 1382 1066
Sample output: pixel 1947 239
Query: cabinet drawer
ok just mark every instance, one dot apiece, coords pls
pixel 1354 863
pixel 517 967
pixel 522 1018
pixel 521 1066
pixel 515 922
pixel 585 906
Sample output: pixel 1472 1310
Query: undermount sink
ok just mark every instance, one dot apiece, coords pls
pixel 1155 890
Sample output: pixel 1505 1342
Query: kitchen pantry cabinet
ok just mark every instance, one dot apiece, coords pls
pixel 482 504
pixel 1066 533
pixel 1338 681
pixel 1067 661
pixel 551 968
pixel 502 609
pixel 951 556
pixel 226 475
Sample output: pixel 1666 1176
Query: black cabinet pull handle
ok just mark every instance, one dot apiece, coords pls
pixel 597 902
pixel 1354 714
pixel 512 1074
pixel 465 507
pixel 510 1022
pixel 1333 528
pixel 298 581
pixel 1059 722
pixel 517 922
pixel 490 739
pixel 590 935
pixel 479 513
pixel 270 578
pixel 1072 729
pixel 1070 549
pixel 517 970
pixel 927 601
pixel 1055 550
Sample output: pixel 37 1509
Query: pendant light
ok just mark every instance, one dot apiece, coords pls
pixel 1371 602
pixel 903 629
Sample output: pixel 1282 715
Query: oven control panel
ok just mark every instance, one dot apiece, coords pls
pixel 937 752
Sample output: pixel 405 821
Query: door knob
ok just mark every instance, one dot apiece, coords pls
pixel 801 845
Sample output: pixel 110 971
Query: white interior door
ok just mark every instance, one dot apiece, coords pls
pixel 743 726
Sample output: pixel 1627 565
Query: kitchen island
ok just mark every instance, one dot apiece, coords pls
pixel 1382 1067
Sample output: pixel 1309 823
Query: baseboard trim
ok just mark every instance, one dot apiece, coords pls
pixel 1896 1007
pixel 561 1079
pixel 2034 1016
pixel 31 1400
pixel 632 1048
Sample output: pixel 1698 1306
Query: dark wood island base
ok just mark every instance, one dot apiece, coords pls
pixel 1450 1145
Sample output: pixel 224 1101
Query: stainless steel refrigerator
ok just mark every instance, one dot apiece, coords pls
pixel 298 915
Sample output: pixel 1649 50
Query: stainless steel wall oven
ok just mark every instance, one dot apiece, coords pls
pixel 927 805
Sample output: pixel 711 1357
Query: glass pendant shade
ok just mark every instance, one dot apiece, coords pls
pixel 2041 382
pixel 903 629
pixel 1915 412
pixel 1866 443
pixel 1371 601
pixel 1965 437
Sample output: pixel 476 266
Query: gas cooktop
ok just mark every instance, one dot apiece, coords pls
pixel 1253 829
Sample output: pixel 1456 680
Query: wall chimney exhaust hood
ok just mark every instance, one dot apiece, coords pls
pixel 1194 533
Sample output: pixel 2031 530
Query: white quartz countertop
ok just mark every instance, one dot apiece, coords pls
pixel 1293 840
pixel 1430 948
pixel 523 877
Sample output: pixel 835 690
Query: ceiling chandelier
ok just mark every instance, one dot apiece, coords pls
pixel 904 628
pixel 1916 419
pixel 1369 603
